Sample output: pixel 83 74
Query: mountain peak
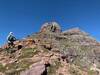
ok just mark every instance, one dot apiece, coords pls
pixel 71 52
pixel 51 27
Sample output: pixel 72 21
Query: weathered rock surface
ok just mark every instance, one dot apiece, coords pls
pixel 35 69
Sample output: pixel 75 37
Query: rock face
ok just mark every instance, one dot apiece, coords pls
pixel 74 31
pixel 51 27
pixel 36 69
pixel 52 52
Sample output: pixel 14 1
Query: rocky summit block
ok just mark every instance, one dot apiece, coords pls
pixel 51 27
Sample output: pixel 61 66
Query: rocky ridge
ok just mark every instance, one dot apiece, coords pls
pixel 52 52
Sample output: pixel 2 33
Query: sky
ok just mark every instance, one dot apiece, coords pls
pixel 24 17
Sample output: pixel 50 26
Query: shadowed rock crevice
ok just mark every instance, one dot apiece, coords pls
pixel 46 66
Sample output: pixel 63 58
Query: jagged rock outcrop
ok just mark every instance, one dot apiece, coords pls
pixel 51 27
pixel 52 52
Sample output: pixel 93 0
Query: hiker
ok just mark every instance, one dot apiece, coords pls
pixel 10 39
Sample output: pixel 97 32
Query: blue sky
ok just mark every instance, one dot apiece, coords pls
pixel 25 17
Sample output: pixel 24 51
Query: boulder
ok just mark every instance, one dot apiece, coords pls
pixel 36 69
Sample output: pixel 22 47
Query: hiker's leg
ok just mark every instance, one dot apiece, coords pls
pixel 12 44
pixel 9 44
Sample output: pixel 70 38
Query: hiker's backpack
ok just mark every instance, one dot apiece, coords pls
pixel 11 38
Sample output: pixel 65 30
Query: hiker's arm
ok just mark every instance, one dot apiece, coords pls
pixel 7 37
